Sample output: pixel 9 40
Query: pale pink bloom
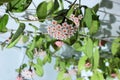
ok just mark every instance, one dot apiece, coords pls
pixel 88 65
pixel 54 22
pixel 72 16
pixel 42 53
pixel 19 78
pixel 33 18
pixel 66 75
pixel 58 26
pixel 113 75
pixel 65 31
pixel 72 72
pixel 64 24
pixel 80 17
pixel 59 43
pixel 27 74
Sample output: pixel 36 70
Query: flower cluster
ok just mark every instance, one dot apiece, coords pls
pixel 76 19
pixel 64 30
pixel 41 53
pixel 27 74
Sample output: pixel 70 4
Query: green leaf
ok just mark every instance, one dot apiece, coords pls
pixel 70 11
pixel 94 26
pixel 50 5
pixel 81 63
pixel 4 1
pixel 18 5
pixel 88 17
pixel 116 46
pixel 42 11
pixel 77 46
pixel 39 70
pixel 17 35
pixel 56 5
pixel 96 57
pixel 3 23
pixel 80 79
pixel 61 3
pixel 29 54
pixel 88 47
pixel 95 8
pixel 60 75
pixel 39 62
pixel 97 75
pixel 32 45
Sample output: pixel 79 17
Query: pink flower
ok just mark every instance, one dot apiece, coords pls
pixel 80 17
pixel 66 75
pixel 27 74
pixel 88 65
pixel 59 43
pixel 54 22
pixel 113 75
pixel 19 78
pixel 72 72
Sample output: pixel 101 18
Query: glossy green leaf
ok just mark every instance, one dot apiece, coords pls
pixel 70 11
pixel 68 78
pixel 54 7
pixel 80 79
pixel 61 3
pixel 94 26
pixel 97 75
pixel 39 62
pixel 88 17
pixel 96 57
pixel 77 46
pixel 95 8
pixel 32 45
pixel 18 5
pixel 38 70
pixel 60 75
pixel 4 1
pixel 42 11
pixel 81 63
pixel 17 35
pixel 29 54
pixel 3 23
pixel 116 46
pixel 50 5
pixel 88 47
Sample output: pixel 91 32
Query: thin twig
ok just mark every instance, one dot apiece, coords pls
pixel 68 1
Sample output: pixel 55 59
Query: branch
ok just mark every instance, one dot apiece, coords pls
pixel 68 1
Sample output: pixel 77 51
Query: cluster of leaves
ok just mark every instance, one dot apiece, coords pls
pixel 78 49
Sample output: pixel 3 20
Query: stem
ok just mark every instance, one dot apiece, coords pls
pixel 79 3
pixel 68 1
pixel 16 19
pixel 34 4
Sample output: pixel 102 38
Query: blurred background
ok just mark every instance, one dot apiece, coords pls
pixel 11 59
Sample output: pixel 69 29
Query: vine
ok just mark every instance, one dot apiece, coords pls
pixel 77 51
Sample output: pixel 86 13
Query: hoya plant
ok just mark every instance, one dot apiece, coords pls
pixel 68 36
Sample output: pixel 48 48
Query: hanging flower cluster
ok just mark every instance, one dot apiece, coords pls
pixel 27 74
pixel 64 30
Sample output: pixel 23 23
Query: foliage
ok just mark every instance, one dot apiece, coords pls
pixel 65 40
